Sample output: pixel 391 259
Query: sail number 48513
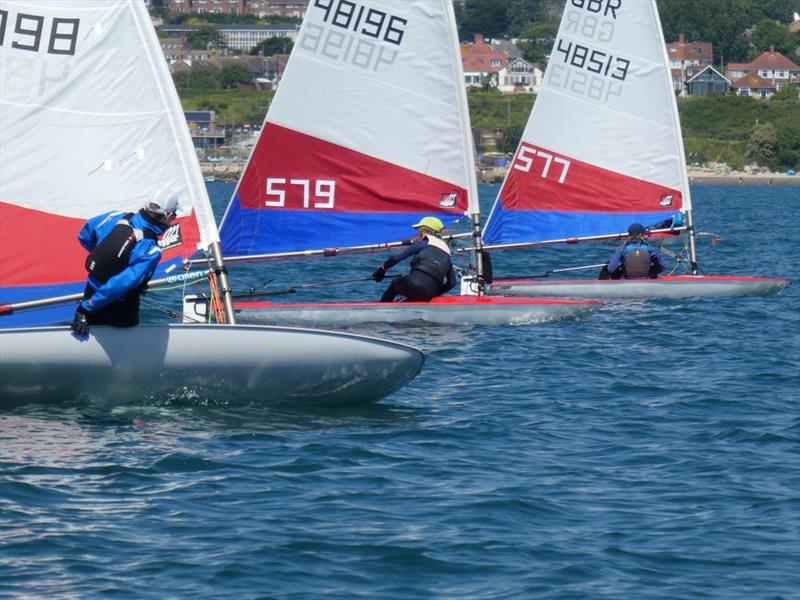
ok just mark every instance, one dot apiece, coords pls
pixel 278 189
pixel 524 161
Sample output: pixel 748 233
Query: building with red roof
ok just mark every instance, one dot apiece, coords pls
pixel 687 59
pixel 753 85
pixel 482 63
pixel 770 66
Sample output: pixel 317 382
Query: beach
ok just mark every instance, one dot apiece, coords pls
pixel 721 174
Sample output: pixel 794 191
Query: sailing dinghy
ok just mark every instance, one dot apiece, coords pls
pixel 367 133
pixel 90 123
pixel 603 149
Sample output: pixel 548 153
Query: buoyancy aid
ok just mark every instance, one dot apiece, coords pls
pixel 112 255
pixel 433 260
pixel 637 261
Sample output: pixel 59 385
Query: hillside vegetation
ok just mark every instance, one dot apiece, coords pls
pixel 727 129
pixel 737 130
pixel 230 106
pixel 734 130
pixel 738 29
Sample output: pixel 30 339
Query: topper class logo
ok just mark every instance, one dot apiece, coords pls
pixel 448 200
pixel 171 238
pixel 666 200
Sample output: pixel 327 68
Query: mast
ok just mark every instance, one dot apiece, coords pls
pixel 222 273
pixel 473 204
pixel 186 155
pixel 687 199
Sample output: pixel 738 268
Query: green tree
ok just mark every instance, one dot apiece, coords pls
pixel 458 9
pixel 721 22
pixel 537 42
pixel 789 95
pixel 234 75
pixel 205 36
pixel 513 135
pixel 769 33
pixel 489 17
pixel 777 10
pixel 787 154
pixel 200 80
pixel 521 15
pixel 270 46
pixel 762 144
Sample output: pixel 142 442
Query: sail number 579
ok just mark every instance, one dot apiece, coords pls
pixel 278 189
pixel 526 161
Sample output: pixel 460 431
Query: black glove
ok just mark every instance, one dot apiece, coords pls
pixel 80 323
pixel 379 274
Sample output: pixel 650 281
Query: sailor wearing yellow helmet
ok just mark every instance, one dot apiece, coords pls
pixel 431 270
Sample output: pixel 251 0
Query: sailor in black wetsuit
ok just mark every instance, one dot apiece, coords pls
pixel 123 255
pixel 431 270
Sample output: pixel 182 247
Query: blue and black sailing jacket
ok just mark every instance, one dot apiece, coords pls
pixel 141 264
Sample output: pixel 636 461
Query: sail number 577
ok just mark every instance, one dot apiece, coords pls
pixel 278 189
pixel 540 161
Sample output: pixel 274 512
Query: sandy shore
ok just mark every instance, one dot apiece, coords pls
pixel 222 171
pixel 728 177
pixel 744 180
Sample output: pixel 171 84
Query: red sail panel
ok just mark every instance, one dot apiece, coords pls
pixel 361 183
pixel 541 179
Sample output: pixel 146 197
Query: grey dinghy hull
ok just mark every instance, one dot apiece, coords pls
pixel 218 363
pixel 445 310
pixel 678 286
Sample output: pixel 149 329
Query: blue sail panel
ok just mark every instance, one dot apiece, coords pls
pixel 250 231
pixel 523 226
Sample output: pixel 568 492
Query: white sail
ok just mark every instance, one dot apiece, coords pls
pixel 367 133
pixel 89 122
pixel 602 147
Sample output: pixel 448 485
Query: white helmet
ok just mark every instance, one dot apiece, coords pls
pixel 163 202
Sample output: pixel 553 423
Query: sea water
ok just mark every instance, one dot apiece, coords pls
pixel 647 451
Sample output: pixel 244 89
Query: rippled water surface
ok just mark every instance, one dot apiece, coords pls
pixel 647 451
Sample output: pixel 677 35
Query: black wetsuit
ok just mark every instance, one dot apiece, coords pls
pixel 431 272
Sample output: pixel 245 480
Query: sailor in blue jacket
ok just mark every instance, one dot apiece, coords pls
pixel 123 255
pixel 431 270
pixel 635 259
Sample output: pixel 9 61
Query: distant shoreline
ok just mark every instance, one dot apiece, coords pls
pixel 705 179
pixel 231 172
pixel 700 178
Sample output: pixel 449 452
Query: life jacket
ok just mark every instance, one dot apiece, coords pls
pixel 112 255
pixel 637 261
pixel 433 259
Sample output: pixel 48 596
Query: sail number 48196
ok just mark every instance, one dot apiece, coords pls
pixel 278 188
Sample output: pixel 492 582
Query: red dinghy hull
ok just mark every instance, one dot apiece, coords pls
pixel 447 310
pixel 675 286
